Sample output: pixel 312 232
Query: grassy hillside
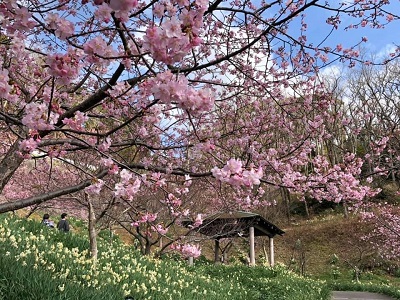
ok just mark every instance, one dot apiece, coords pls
pixel 330 248
pixel 40 263
pixel 320 239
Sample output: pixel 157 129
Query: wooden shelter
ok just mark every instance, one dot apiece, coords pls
pixel 238 224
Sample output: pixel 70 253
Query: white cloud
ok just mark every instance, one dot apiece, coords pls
pixel 385 51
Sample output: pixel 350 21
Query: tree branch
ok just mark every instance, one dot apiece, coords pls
pixel 21 203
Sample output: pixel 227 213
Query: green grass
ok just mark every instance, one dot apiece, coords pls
pixel 271 283
pixel 364 286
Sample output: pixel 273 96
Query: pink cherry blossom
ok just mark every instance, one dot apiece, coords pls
pixel 4 79
pixel 38 117
pixel 103 12
pixel 62 27
pixel 148 217
pixel 187 250
pixel 23 19
pixel 105 146
pixel 234 174
pixel 95 188
pixel 234 165
pixel 129 185
pixel 190 250
pixel 389 17
pixel 127 5
pixel 160 229
pixel 168 89
pixel 63 67
pixel 97 48
pixel 384 236
pixel 29 145
pixel 78 122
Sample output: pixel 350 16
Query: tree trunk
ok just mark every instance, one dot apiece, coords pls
pixel 393 175
pixel 264 248
pixel 306 209
pixel 286 195
pixel 9 164
pixel 225 251
pixel 147 249
pixel 92 230
pixel 345 210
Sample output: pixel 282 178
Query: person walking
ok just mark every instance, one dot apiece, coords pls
pixel 63 224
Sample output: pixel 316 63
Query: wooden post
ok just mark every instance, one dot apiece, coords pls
pixel 252 251
pixel 190 260
pixel 271 252
pixel 216 252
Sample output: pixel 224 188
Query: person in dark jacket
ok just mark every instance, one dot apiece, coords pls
pixel 63 224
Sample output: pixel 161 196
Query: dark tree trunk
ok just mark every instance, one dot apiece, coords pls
pixel 9 164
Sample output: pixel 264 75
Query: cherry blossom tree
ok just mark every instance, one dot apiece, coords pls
pixel 384 236
pixel 138 96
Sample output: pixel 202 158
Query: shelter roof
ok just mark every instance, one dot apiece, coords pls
pixel 235 224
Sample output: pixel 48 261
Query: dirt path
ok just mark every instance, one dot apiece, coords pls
pixel 358 296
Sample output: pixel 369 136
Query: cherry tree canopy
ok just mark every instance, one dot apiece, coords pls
pixel 139 96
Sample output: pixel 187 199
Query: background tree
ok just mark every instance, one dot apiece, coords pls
pixel 375 93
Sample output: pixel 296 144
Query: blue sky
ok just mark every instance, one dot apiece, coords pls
pixel 378 39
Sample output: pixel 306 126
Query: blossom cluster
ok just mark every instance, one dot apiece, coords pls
pixel 128 186
pixel 97 48
pixel 171 41
pixel 28 146
pixel 38 117
pixel 174 89
pixel 78 122
pixel 19 17
pixel 187 250
pixel 64 67
pixel 147 217
pixel 4 85
pixel 95 187
pixel 234 174
pixel 62 27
